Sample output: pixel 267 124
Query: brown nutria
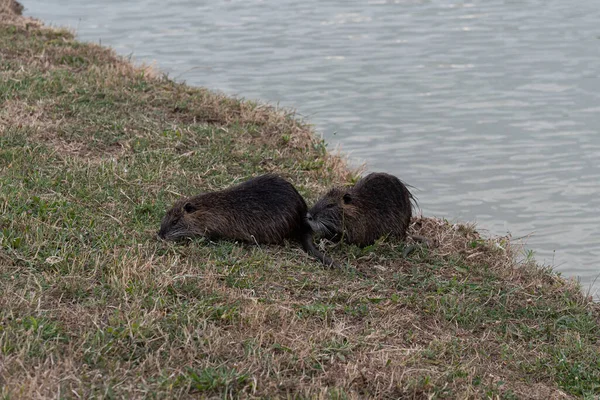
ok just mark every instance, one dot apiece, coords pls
pixel 266 209
pixel 379 204
pixel 13 7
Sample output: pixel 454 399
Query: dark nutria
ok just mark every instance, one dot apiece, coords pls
pixel 265 209
pixel 379 204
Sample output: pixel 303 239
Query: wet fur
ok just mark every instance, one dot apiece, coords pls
pixel 266 209
pixel 379 204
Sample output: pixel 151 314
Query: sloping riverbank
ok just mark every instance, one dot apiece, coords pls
pixel 92 151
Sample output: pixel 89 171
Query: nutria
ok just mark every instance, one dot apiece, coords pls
pixel 266 209
pixel 14 7
pixel 379 204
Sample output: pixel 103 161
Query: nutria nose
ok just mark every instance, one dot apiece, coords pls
pixel 308 216
pixel 159 236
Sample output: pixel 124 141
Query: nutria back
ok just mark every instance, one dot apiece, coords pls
pixel 379 204
pixel 266 209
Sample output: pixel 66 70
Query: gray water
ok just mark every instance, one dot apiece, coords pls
pixel 490 108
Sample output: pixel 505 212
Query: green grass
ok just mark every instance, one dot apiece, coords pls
pixel 92 153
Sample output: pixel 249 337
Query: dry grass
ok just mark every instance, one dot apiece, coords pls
pixel 92 151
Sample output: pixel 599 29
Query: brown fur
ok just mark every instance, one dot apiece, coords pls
pixel 378 205
pixel 265 209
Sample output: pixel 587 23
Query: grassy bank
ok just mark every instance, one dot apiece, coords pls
pixel 92 152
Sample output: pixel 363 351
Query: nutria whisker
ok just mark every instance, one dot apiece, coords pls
pixel 328 227
pixel 323 228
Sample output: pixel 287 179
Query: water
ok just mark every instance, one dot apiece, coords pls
pixel 491 108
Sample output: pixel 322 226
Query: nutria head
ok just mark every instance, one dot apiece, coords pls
pixel 328 215
pixel 377 205
pixel 183 220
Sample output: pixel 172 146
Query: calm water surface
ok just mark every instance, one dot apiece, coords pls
pixel 491 108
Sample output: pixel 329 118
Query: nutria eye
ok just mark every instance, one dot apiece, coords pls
pixel 330 205
pixel 174 222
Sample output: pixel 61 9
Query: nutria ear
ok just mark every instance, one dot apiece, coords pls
pixel 189 207
pixel 347 198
